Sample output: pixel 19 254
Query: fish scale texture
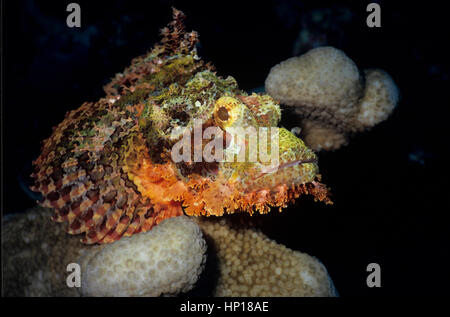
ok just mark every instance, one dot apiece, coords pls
pixel 107 169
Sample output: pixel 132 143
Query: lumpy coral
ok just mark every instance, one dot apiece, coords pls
pixel 379 99
pixel 107 169
pixel 250 264
pixel 167 260
pixel 333 98
pixel 164 261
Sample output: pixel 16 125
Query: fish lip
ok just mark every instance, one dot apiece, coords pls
pixel 297 162
pixel 289 164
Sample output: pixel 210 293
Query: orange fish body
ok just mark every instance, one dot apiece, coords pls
pixel 108 168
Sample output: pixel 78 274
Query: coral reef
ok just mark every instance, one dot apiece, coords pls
pixel 164 261
pixel 107 170
pixel 35 254
pixel 331 96
pixel 250 264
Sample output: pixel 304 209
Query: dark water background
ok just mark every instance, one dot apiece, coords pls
pixel 390 185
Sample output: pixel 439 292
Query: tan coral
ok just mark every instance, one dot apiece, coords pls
pixel 380 98
pixel 333 98
pixel 36 254
pixel 164 261
pixel 250 264
pixel 323 138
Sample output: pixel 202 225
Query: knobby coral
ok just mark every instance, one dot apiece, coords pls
pixel 164 261
pixel 250 264
pixel 332 97
pixel 108 170
pixel 167 260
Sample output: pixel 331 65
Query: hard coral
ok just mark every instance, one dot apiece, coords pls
pixel 331 95
pixel 36 254
pixel 164 261
pixel 250 264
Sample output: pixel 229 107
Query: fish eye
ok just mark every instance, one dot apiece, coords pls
pixel 225 111
pixel 222 114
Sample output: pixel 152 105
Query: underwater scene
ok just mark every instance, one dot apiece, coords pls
pixel 196 149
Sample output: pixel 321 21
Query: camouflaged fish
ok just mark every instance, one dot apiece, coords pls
pixel 107 168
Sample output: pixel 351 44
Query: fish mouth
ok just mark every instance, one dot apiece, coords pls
pixel 286 165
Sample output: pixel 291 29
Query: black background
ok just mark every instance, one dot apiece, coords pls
pixel 389 185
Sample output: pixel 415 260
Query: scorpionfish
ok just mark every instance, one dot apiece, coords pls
pixel 107 168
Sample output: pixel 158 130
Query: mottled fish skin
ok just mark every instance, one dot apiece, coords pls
pixel 106 168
